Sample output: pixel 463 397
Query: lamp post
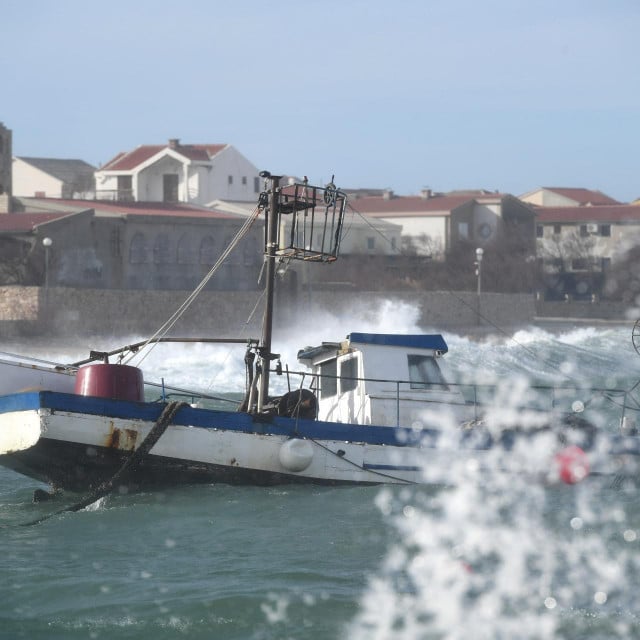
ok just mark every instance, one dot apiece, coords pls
pixel 46 243
pixel 478 263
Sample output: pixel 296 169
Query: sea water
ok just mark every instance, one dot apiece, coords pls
pixel 492 557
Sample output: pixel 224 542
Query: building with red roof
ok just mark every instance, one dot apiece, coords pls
pixel 177 172
pixel 577 245
pixel 433 223
pixel 119 245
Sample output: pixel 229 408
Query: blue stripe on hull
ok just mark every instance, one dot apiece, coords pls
pixel 216 419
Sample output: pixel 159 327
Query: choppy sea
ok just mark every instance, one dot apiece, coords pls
pixel 486 559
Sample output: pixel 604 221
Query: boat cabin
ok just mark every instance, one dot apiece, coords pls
pixel 383 379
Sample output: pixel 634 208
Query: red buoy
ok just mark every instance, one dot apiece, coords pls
pixel 117 381
pixel 573 464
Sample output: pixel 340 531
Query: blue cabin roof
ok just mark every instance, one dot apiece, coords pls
pixel 415 341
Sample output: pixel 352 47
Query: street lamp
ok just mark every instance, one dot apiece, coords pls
pixel 46 243
pixel 478 263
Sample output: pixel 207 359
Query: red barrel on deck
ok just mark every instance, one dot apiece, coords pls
pixel 117 381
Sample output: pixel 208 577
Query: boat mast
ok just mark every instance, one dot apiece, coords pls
pixel 271 247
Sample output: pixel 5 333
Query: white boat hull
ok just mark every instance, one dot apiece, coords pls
pixel 84 441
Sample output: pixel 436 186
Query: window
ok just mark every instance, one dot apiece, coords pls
pixel 557 229
pixel 583 231
pixel 124 186
pixel 230 179
pixel 463 230
pixel 539 231
pixel 348 374
pixel 424 373
pixel 162 249
pixel 170 182
pixel 186 250
pixel 371 243
pixel 605 230
pixel 605 264
pixel 138 249
pixel 114 241
pixel 208 251
pixel 580 264
pixel 328 380
pixel 244 180
pixel 256 185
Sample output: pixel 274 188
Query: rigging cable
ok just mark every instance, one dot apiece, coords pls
pixel 168 325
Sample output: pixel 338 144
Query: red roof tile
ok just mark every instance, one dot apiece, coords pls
pixel 600 213
pixel 175 209
pixel 24 222
pixel 381 207
pixel 129 160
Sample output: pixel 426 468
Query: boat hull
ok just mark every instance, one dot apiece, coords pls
pixel 85 440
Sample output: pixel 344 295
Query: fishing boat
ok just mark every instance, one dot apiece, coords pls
pixel 368 408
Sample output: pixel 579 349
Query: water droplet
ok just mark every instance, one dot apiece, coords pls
pixel 408 511
pixel 576 523
pixel 169 543
pixel 577 406
pixel 600 597
pixel 630 535
pixel 550 602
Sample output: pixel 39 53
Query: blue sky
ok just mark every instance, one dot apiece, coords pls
pixel 446 94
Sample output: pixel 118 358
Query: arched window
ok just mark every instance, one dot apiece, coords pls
pixel 161 250
pixel 208 254
pixel 186 250
pixel 138 249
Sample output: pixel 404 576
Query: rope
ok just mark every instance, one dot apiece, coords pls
pixel 166 418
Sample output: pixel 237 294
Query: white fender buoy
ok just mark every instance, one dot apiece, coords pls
pixel 296 454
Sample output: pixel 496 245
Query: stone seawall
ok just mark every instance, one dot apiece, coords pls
pixel 32 311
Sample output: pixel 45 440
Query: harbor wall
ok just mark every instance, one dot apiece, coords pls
pixel 34 311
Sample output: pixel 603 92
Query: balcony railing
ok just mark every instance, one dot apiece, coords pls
pixel 115 195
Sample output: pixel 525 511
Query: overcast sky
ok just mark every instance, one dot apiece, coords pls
pixel 445 94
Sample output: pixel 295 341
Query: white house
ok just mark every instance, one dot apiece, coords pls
pixel 433 223
pixel 175 172
pixel 52 178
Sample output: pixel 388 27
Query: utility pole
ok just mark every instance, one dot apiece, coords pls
pixel 478 263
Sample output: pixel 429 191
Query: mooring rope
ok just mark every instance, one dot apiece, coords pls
pixel 166 418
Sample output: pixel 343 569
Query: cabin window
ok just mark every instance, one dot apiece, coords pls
pixel 424 373
pixel 348 374
pixel 605 230
pixel 539 231
pixel 328 379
